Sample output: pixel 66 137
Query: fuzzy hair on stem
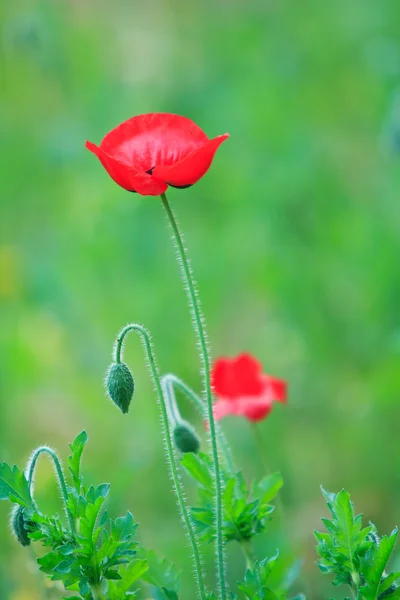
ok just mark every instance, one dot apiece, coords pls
pixel 170 382
pixel 30 472
pixel 168 445
pixel 199 327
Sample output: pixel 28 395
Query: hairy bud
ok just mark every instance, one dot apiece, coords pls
pixel 120 385
pixel 185 438
pixel 18 525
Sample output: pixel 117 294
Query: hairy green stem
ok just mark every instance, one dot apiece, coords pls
pixel 169 395
pixel 194 304
pixel 145 337
pixel 97 593
pixel 30 471
pixel 171 381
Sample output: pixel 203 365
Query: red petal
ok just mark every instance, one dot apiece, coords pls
pixel 126 177
pixel 223 378
pixel 222 408
pixel 238 377
pixel 256 409
pixel 153 139
pixel 189 170
pixel 276 387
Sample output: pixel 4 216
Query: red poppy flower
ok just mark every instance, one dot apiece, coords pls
pixel 148 153
pixel 241 388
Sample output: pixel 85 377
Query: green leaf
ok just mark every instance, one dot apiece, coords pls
pixel 255 584
pixel 374 564
pixel 170 594
pixel 129 576
pixel 388 581
pixel 74 461
pixel 245 513
pixel 355 555
pixel 268 487
pixel 197 465
pixel 161 573
pixel 14 485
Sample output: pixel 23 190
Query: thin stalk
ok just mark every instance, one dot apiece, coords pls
pixel 96 592
pixel 280 510
pixel 266 469
pixel 171 381
pixel 30 471
pixel 148 346
pixel 248 552
pixel 261 448
pixel 194 304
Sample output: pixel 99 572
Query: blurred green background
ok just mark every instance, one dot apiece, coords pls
pixel 294 236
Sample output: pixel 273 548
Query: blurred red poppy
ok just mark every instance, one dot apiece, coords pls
pixel 241 388
pixel 148 153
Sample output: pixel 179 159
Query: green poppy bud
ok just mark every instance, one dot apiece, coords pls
pixel 185 438
pixel 18 525
pixel 120 385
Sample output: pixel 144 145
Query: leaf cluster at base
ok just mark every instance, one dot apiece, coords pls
pixel 97 553
pixel 356 555
pixel 245 512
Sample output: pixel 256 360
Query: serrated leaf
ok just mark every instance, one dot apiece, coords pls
pixel 268 487
pixel 255 584
pixel 197 466
pixel 74 461
pixel 161 573
pixel 14 486
pixel 374 565
pixel 388 581
pixel 129 576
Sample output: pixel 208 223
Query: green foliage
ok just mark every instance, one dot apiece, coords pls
pixel 245 512
pixel 354 554
pixel 99 555
pixel 257 584
pixel 14 486
pixel 162 574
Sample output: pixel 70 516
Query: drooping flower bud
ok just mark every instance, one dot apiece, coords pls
pixel 185 438
pixel 18 525
pixel 120 385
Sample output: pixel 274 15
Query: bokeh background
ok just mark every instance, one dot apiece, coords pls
pixel 294 236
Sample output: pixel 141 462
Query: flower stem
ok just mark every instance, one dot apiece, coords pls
pixel 170 381
pixel 248 552
pixel 261 448
pixel 97 594
pixel 194 304
pixel 266 469
pixel 30 471
pixel 148 346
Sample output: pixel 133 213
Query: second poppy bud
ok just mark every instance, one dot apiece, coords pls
pixel 185 438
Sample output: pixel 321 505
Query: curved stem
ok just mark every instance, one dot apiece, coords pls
pixel 194 304
pixel 145 337
pixel 170 381
pixel 169 395
pixel 119 344
pixel 30 471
